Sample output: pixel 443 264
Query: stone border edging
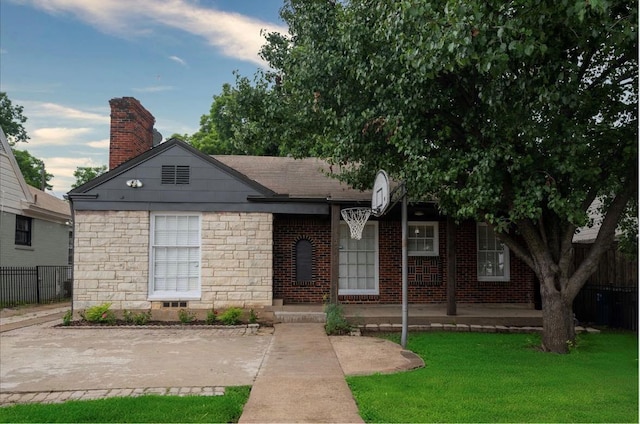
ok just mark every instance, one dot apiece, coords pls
pixel 248 329
pixel 14 398
pixel 392 328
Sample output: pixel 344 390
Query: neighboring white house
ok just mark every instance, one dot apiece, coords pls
pixel 35 226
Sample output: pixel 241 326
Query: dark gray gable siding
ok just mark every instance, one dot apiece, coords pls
pixel 212 187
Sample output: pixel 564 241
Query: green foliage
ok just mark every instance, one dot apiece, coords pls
pixel 230 126
pixel 253 317
pixel 67 318
pixel 84 174
pixel 514 114
pixel 12 121
pixel 186 316
pixel 140 318
pixel 231 316
pixel 628 242
pixel 100 314
pixel 142 409
pixel 596 382
pixel 127 316
pixel 212 317
pixel 336 323
pixel 32 169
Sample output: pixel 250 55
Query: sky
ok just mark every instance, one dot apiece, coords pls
pixel 63 60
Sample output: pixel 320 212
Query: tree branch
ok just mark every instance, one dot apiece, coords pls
pixel 520 251
pixel 606 236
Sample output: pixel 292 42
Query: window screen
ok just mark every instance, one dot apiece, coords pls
pixel 23 230
pixel 493 256
pixel 304 260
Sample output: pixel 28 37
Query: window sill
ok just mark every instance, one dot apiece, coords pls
pixel 174 296
pixel 493 280
pixel 23 247
pixel 358 293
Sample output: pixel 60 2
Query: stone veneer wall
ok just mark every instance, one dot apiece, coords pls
pixel 111 260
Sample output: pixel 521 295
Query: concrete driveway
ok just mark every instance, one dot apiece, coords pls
pixel 47 358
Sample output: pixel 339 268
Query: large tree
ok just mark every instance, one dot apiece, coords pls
pixel 84 174
pixel 517 114
pixel 32 170
pixel 235 121
pixel 12 120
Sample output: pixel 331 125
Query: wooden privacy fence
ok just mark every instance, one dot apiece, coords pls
pixel 610 295
pixel 614 268
pixel 39 284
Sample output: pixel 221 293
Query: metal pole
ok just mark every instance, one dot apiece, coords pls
pixel 405 265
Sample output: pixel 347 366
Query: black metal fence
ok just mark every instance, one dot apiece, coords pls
pixel 39 284
pixel 612 306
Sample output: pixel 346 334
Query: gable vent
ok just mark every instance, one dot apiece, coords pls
pixel 175 174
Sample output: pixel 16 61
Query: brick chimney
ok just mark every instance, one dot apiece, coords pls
pixel 131 130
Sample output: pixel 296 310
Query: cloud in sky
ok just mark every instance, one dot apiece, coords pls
pixel 99 144
pixel 56 136
pixel 152 89
pixel 53 110
pixel 178 60
pixel 62 169
pixel 233 34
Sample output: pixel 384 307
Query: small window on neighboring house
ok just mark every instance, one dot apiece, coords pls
pixel 304 261
pixel 70 257
pixel 23 230
pixel 493 256
pixel 422 239
pixel 175 174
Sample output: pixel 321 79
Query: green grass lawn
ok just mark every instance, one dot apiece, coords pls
pixel 143 409
pixel 479 377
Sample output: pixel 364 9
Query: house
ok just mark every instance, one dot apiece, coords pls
pixel 35 238
pixel 170 227
pixel 34 225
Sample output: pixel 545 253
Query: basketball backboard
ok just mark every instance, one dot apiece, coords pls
pixel 380 198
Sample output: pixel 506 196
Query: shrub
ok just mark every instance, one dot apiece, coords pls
pixel 231 316
pixel 185 316
pixel 212 317
pixel 66 319
pixel 142 318
pixel 253 317
pixel 100 314
pixel 336 322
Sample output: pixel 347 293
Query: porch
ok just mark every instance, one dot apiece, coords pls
pixel 508 315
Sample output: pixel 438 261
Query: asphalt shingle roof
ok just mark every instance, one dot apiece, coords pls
pixel 297 178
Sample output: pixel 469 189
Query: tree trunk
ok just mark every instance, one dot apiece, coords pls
pixel 559 331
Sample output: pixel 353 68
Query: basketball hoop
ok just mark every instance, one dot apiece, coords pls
pixel 356 218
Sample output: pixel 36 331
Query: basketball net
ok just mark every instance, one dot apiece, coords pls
pixel 356 218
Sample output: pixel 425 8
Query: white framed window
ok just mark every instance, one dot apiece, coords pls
pixel 422 239
pixel 359 261
pixel 175 256
pixel 493 256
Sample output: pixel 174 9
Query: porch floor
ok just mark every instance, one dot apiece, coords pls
pixel 419 314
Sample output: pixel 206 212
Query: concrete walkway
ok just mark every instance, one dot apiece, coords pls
pixel 301 380
pixel 14 318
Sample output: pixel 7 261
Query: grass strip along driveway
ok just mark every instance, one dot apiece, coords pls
pixel 479 377
pixel 143 409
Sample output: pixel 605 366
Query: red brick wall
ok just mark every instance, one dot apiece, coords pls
pixel 520 288
pixel 426 277
pixel 131 130
pixel 286 232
